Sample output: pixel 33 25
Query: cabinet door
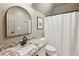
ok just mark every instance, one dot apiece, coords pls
pixel 41 52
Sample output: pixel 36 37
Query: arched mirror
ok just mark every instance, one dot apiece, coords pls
pixel 18 21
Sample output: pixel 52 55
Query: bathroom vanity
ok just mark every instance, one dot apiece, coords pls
pixel 32 48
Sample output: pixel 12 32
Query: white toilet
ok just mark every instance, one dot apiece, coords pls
pixel 50 50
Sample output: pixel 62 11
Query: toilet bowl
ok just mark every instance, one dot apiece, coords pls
pixel 50 50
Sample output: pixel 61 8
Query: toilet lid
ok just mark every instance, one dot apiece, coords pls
pixel 50 48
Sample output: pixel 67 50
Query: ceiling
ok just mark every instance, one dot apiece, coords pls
pixel 45 8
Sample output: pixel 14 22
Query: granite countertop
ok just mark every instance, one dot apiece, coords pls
pixel 30 48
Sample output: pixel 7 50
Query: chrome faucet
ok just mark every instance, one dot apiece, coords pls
pixel 24 41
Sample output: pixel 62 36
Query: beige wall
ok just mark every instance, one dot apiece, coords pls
pixel 35 33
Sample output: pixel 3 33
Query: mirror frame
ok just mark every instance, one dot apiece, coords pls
pixel 6 22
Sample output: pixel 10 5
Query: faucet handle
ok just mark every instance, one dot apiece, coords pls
pixel 24 38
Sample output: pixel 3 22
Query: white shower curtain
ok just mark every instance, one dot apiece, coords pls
pixel 62 32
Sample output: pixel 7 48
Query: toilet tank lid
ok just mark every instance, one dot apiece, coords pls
pixel 50 48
